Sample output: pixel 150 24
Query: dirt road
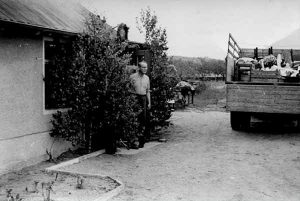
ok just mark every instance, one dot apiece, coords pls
pixel 204 160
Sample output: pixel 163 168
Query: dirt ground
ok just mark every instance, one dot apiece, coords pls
pixel 31 184
pixel 203 160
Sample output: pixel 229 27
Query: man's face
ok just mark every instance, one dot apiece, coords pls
pixel 143 68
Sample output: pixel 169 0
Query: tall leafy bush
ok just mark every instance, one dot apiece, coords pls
pixel 162 82
pixel 98 92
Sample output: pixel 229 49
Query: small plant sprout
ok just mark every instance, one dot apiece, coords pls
pixel 34 188
pixel 18 198
pixel 56 176
pixel 49 155
pixel 10 197
pixel 47 189
pixel 8 194
pixel 35 183
pixel 49 152
pixel 80 180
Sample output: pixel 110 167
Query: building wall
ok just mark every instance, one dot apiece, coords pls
pixel 24 125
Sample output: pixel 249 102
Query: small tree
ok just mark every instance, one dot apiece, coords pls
pixel 98 92
pixel 161 81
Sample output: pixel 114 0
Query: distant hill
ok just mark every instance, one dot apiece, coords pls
pixel 196 67
pixel 291 41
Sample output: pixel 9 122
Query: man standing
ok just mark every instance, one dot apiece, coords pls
pixel 141 85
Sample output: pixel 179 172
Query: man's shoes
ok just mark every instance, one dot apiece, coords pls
pixel 141 142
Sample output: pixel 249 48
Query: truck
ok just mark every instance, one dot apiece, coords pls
pixel 252 92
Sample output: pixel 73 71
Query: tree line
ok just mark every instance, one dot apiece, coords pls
pixel 197 67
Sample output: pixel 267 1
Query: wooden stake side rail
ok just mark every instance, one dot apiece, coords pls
pixel 233 48
pixel 264 98
pixel 289 55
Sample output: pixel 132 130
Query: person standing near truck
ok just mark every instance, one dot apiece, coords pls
pixel 141 84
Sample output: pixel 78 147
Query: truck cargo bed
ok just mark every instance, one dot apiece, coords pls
pixel 263 98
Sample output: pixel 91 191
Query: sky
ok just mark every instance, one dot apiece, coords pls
pixel 200 28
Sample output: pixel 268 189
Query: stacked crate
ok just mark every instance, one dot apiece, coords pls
pixel 265 76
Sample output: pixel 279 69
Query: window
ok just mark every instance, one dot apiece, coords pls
pixel 54 74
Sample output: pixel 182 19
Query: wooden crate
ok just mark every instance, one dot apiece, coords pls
pixel 242 72
pixel 265 76
pixel 271 76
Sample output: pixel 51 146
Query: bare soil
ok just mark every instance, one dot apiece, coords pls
pixel 31 183
pixel 205 160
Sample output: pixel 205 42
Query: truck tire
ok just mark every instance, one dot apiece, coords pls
pixel 234 120
pixel 240 120
pixel 298 125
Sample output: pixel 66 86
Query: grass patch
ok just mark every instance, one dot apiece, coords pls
pixel 210 93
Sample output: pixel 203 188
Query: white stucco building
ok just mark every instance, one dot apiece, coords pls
pixel 25 27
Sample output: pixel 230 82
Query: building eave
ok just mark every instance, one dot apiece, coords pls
pixel 38 28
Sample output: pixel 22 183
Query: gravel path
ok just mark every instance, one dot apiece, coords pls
pixel 205 160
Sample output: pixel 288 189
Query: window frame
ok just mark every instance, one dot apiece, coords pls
pixel 48 111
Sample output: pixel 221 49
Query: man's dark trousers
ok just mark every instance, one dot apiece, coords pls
pixel 144 131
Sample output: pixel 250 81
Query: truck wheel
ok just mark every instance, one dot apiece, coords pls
pixel 234 121
pixel 245 124
pixel 239 120
pixel 298 124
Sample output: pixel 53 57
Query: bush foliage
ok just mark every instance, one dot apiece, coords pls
pixel 92 81
pixel 162 81
pixel 97 89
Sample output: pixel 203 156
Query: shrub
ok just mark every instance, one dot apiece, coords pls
pixel 162 81
pixel 100 102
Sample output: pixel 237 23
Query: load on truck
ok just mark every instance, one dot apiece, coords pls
pixel 261 82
